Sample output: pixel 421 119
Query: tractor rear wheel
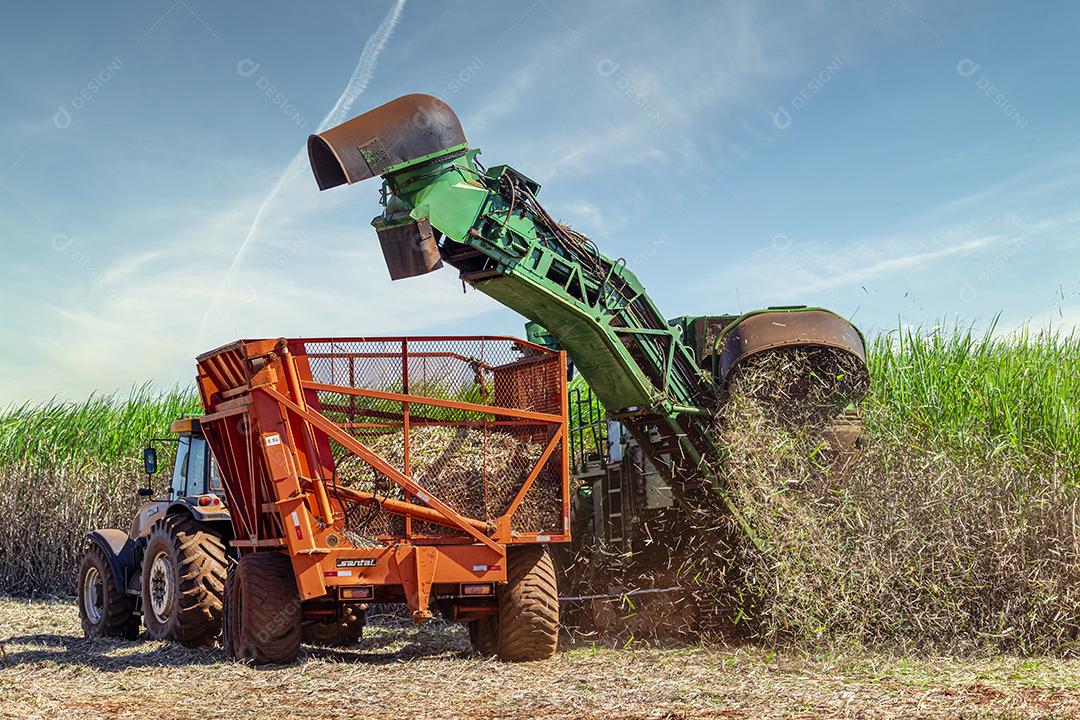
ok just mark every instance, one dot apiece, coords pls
pixel 528 605
pixel 104 610
pixel 183 581
pixel 263 610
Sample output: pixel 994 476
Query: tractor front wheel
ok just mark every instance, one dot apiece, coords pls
pixel 104 610
pixel 183 580
pixel 528 624
pixel 263 610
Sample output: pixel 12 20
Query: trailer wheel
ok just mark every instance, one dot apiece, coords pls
pixel 183 580
pixel 229 619
pixel 104 610
pixel 264 610
pixel 484 635
pixel 528 605
pixel 339 632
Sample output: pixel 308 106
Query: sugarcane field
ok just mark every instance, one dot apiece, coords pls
pixel 263 457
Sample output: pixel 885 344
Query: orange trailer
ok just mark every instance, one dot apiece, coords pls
pixel 427 470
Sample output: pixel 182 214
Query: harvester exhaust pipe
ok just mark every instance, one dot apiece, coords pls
pixel 392 137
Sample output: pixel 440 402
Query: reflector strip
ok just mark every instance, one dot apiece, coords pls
pixel 296 524
pixel 359 593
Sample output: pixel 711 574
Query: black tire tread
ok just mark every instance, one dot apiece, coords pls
pixel 229 617
pixel 199 557
pixel 269 613
pixel 484 636
pixel 118 612
pixel 528 606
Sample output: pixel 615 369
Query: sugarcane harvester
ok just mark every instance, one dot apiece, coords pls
pixel 660 380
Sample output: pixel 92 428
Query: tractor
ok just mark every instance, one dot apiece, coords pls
pixel 169 568
pixel 168 571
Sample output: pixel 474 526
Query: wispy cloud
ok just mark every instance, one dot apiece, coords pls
pixel 1034 184
pixel 297 273
pixel 634 107
pixel 354 88
pixel 887 264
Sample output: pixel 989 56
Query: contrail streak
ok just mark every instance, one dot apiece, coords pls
pixel 365 68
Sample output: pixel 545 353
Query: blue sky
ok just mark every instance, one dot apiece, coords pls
pixel 901 162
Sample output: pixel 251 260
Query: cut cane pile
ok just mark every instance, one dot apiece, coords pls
pixel 476 471
pixel 908 540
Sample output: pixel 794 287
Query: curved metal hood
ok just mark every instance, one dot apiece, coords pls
pixel 402 130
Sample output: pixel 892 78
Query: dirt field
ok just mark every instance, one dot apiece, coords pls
pixel 49 670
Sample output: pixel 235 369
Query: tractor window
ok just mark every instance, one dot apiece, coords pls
pixel 179 479
pixel 215 479
pixel 196 470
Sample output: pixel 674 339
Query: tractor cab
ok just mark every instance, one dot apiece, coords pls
pixel 194 484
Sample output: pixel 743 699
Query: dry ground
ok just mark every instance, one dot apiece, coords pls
pixel 49 670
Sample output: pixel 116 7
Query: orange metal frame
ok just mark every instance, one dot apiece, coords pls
pixel 272 446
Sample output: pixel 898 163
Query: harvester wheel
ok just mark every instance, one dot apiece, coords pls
pixel 264 610
pixel 340 632
pixel 528 605
pixel 484 635
pixel 104 610
pixel 183 581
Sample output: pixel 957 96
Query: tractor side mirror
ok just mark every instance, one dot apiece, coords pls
pixel 150 460
pixel 145 492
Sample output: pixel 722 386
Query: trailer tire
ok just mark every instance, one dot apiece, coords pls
pixel 264 610
pixel 229 619
pixel 339 632
pixel 103 610
pixel 183 581
pixel 528 606
pixel 484 635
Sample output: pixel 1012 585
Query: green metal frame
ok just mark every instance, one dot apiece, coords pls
pixel 634 360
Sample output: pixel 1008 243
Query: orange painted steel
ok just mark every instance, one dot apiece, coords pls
pixel 294 424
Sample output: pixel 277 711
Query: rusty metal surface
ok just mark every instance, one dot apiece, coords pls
pixel 773 330
pixel 409 249
pixel 410 127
